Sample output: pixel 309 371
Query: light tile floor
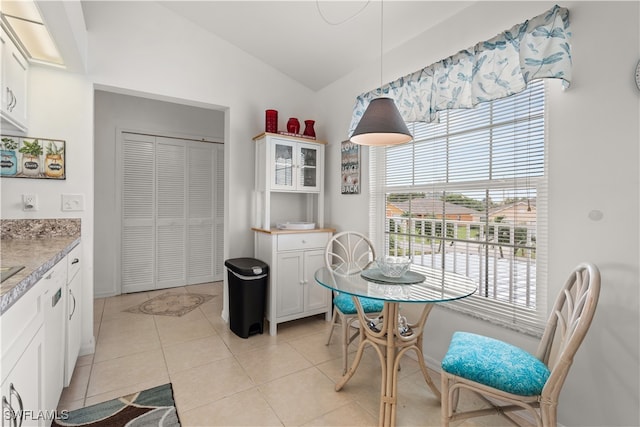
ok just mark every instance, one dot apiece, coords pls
pixel 220 379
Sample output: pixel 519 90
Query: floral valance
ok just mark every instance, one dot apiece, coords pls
pixel 493 69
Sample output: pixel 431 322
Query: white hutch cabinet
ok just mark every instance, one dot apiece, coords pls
pixel 290 174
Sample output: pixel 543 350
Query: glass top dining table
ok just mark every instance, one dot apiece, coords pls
pixel 437 286
pixel 389 333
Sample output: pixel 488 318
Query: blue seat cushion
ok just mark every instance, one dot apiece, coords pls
pixel 495 363
pixel 346 305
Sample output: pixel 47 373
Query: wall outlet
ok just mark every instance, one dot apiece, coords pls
pixel 72 202
pixel 29 202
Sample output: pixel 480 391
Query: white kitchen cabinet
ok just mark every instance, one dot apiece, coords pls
pixel 73 312
pixel 293 258
pixel 293 165
pixel 289 186
pixel 14 83
pixel 22 388
pixel 37 336
pixel 54 301
pixel 23 359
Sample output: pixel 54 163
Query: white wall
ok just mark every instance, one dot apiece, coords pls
pixel 60 108
pixel 169 56
pixel 115 112
pixel 144 48
pixel 593 134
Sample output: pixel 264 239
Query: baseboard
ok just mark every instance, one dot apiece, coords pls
pixel 104 295
pixel 88 347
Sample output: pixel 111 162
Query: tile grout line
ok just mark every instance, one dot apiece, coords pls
pixel 93 357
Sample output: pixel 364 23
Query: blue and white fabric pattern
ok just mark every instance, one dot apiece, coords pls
pixel 496 68
pixel 495 363
pixel 345 303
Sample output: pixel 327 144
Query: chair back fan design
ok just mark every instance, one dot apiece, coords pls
pixel 465 365
pixel 568 324
pixel 355 251
pixel 349 247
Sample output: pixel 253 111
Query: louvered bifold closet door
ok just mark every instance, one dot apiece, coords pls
pixel 200 213
pixel 172 212
pixel 171 224
pixel 218 217
pixel 138 212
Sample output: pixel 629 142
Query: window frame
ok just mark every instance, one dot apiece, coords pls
pixel 521 319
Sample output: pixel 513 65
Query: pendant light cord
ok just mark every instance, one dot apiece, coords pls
pixel 381 36
pixel 324 18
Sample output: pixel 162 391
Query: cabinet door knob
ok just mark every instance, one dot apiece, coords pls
pixel 304 242
pixel 75 261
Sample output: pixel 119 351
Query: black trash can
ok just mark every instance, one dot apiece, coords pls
pixel 247 292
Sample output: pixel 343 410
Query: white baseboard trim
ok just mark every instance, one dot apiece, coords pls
pixel 88 347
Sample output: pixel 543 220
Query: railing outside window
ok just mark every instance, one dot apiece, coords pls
pixel 500 257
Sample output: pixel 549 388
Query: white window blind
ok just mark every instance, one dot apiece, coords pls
pixel 468 196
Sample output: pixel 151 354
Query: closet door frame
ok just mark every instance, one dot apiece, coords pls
pixel 217 212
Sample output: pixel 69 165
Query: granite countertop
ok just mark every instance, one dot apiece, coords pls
pixel 37 252
pixel 38 256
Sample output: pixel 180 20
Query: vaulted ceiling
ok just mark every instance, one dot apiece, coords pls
pixel 316 42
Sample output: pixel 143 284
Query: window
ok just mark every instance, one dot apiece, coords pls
pixel 468 196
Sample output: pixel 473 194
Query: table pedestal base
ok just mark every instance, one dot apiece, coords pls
pixel 390 344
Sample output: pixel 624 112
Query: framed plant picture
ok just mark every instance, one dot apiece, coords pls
pixel 27 157
pixel 350 167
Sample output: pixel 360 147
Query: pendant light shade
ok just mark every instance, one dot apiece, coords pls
pixel 381 124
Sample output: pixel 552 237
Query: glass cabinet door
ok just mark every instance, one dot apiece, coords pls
pixel 295 166
pixel 282 174
pixel 308 167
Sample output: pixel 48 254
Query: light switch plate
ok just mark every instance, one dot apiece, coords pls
pixel 72 202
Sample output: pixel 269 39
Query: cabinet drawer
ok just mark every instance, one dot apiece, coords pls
pixel 73 262
pixel 297 241
pixel 24 318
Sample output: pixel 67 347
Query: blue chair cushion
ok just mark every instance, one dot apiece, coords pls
pixel 495 363
pixel 346 305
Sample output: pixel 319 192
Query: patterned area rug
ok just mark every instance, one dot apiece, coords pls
pixel 171 304
pixel 153 407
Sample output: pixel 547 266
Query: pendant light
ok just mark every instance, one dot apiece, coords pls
pixel 381 123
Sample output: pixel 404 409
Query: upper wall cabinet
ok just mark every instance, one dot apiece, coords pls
pixel 288 164
pixel 292 164
pixel 15 68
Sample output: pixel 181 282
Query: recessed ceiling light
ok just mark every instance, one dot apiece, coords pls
pixel 23 21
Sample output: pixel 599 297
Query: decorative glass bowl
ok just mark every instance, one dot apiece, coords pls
pixel 393 266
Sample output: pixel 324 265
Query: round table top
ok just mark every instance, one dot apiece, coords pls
pixel 437 286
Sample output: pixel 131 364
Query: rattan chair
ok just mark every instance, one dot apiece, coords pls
pixel 355 249
pixel 511 379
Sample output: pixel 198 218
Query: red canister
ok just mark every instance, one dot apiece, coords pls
pixel 271 121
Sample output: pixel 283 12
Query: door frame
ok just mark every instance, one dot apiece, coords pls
pixel 119 131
